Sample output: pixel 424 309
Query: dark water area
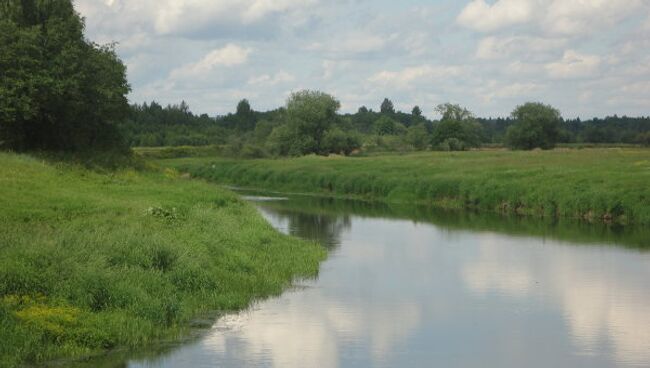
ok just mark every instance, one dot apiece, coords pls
pixel 409 286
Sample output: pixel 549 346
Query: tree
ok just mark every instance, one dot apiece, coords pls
pixel 458 129
pixel 245 116
pixel 309 115
pixel 58 91
pixel 536 125
pixel 387 107
pixel 385 126
pixel 244 108
pixel 418 136
pixel 455 112
pixel 416 112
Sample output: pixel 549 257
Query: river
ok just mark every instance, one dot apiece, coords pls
pixel 407 286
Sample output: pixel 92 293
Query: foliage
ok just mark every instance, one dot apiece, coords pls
pixel 536 126
pixel 643 139
pixel 387 107
pixel 338 141
pixel 457 130
pixel 595 184
pixel 94 261
pixel 248 133
pixel 312 126
pixel 152 125
pixel 387 126
pixel 418 137
pixel 245 116
pixel 58 91
pixel 452 144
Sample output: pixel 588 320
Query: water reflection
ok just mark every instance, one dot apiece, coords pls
pixel 415 289
pixel 323 228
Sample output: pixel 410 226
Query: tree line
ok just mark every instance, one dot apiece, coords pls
pixel 310 123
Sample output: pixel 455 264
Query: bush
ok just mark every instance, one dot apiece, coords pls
pixel 452 144
pixel 418 137
pixel 338 141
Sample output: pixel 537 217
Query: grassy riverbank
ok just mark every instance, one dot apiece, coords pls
pixel 595 184
pixel 92 261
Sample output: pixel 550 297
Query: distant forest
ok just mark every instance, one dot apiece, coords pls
pixel 151 124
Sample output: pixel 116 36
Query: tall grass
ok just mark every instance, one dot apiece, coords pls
pixel 611 185
pixel 92 261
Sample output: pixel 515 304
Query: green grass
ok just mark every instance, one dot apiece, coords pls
pixel 92 261
pixel 176 152
pixel 595 184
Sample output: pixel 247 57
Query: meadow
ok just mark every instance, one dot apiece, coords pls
pixel 595 184
pixel 98 260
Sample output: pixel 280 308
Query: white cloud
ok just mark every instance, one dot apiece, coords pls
pixel 331 68
pixel 271 80
pixel 184 17
pixel 574 17
pixel 484 17
pixel 179 16
pixel 228 56
pixel 496 90
pixel 574 65
pixel 639 88
pixel 505 47
pixel 407 77
pixel 350 44
pixel 565 17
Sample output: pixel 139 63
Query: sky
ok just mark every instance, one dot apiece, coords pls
pixel 588 58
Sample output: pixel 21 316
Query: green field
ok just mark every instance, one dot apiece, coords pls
pixel 93 261
pixel 604 184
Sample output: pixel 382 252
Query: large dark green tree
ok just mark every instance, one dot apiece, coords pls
pixel 312 126
pixel 457 130
pixel 536 126
pixel 58 91
pixel 245 116
pixel 387 107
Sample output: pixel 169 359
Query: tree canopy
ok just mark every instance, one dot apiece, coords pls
pixel 312 126
pixel 387 107
pixel 58 91
pixel 457 130
pixel 536 126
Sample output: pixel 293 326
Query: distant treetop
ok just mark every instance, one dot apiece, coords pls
pixel 387 107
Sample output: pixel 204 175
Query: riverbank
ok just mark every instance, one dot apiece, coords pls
pixel 604 184
pixel 94 261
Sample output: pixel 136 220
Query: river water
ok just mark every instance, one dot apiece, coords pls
pixel 416 287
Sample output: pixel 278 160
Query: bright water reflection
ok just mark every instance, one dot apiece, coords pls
pixel 398 293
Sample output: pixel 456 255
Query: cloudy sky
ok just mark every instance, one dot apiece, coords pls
pixel 586 57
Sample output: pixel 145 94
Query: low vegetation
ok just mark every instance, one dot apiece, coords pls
pixel 595 184
pixel 93 261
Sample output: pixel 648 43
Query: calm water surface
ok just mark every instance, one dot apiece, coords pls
pixel 415 287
